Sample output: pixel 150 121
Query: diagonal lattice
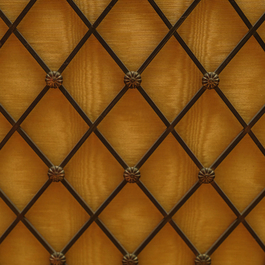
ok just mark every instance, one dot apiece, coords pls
pixel 167 216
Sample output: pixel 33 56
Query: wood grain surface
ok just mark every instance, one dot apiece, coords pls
pixel 132 29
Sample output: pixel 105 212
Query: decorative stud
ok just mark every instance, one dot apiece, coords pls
pixel 54 79
pixel 56 173
pixel 132 79
pixel 206 175
pixel 131 174
pixel 210 80
pixel 130 259
pixel 203 259
pixel 57 258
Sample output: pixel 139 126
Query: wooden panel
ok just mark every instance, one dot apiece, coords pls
pixel 17 93
pixel 57 210
pixel 23 173
pixel 208 127
pixel 204 217
pixel 7 217
pixel 160 171
pixel 167 248
pixel 131 216
pixel 136 24
pixel 55 119
pixel 92 9
pixel 98 83
pixel 20 246
pixel 132 133
pixel 209 34
pixel 88 169
pixel 237 248
pixel 253 11
pixel 13 8
pixel 242 169
pixel 53 32
pixel 240 75
pixel 101 250
pixel 171 88
pixel 132 29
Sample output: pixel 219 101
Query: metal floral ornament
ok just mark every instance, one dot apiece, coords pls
pixel 206 175
pixel 131 174
pixel 56 173
pixel 132 79
pixel 130 259
pixel 57 258
pixel 210 80
pixel 54 79
pixel 203 259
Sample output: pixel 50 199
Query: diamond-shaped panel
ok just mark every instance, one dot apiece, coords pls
pixel 3 28
pixel 167 248
pixel 240 175
pixel 22 172
pixel 55 126
pixel 98 83
pixel 7 217
pixel 48 25
pixel 259 128
pixel 92 9
pixel 204 217
pixel 21 247
pixel 255 219
pixel 172 87
pixel 208 127
pixel 57 216
pixel 239 246
pixel 4 128
pixel 21 77
pixel 94 172
pixel 169 172
pixel 13 8
pixel 174 10
pixel 101 249
pixel 129 205
pixel 212 39
pixel 242 81
pixel 134 132
pixel 261 31
pixel 252 10
pixel 138 24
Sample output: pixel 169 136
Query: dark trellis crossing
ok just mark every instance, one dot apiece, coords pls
pixel 240 217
